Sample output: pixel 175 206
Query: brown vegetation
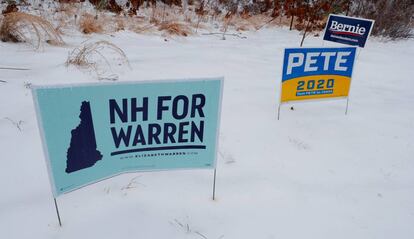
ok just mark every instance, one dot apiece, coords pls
pixel 140 26
pixel 89 24
pixel 176 17
pixel 11 7
pixel 393 19
pixel 175 28
pixel 23 27
pixel 100 57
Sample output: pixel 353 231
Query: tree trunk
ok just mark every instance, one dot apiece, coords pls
pixel 291 23
pixel 304 34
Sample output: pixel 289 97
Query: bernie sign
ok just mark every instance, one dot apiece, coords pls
pixel 348 30
pixel 316 73
pixel 91 132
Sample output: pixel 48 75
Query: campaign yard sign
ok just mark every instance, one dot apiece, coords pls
pixel 316 73
pixel 95 131
pixel 348 30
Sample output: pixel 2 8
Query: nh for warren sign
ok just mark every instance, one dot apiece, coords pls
pixel 92 132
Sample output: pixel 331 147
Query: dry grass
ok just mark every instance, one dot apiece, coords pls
pixel 66 16
pixel 135 24
pixel 120 24
pixel 88 24
pixel 243 23
pixel 164 14
pixel 102 57
pixel 259 21
pixel 142 28
pixel 175 28
pixel 68 8
pixel 63 22
pixel 114 23
pixel 23 27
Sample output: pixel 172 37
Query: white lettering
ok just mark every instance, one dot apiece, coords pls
pixel 327 56
pixel 340 27
pixel 292 63
pixel 310 59
pixel 316 61
pixel 340 60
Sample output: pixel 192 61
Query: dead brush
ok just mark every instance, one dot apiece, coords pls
pixel 114 23
pixel 120 24
pixel 23 27
pixel 63 23
pixel 175 28
pixel 66 16
pixel 255 22
pixel 67 8
pixel 89 24
pixel 102 57
pixel 141 28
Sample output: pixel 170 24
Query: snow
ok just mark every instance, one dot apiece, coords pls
pixel 315 173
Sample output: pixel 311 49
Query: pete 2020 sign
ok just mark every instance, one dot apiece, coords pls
pixel 92 132
pixel 316 73
pixel 348 30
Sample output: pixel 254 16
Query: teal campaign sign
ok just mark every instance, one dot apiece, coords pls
pixel 94 131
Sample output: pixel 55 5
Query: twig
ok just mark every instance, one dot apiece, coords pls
pixel 198 22
pixel 271 20
pixel 28 85
pixel 198 233
pixel 163 13
pixel 227 22
pixel 178 223
pixel 228 34
pixel 13 68
pixel 188 229
pixel 17 124
pixel 109 78
pixel 221 154
pixel 132 183
pixel 3 81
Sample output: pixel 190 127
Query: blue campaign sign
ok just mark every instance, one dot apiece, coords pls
pixel 348 30
pixel 316 73
pixel 95 131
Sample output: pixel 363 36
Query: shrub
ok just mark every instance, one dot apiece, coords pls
pixel 89 24
pixel 175 28
pixel 393 19
pixel 102 57
pixel 23 27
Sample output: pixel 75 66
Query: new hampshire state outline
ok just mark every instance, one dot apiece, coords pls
pixel 82 152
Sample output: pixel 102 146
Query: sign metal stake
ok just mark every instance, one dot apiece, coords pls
pixel 214 184
pixel 347 103
pixel 57 212
pixel 359 52
pixel 278 112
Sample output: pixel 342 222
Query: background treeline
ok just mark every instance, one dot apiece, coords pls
pixel 393 18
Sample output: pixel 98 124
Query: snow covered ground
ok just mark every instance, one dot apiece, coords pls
pixel 315 173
